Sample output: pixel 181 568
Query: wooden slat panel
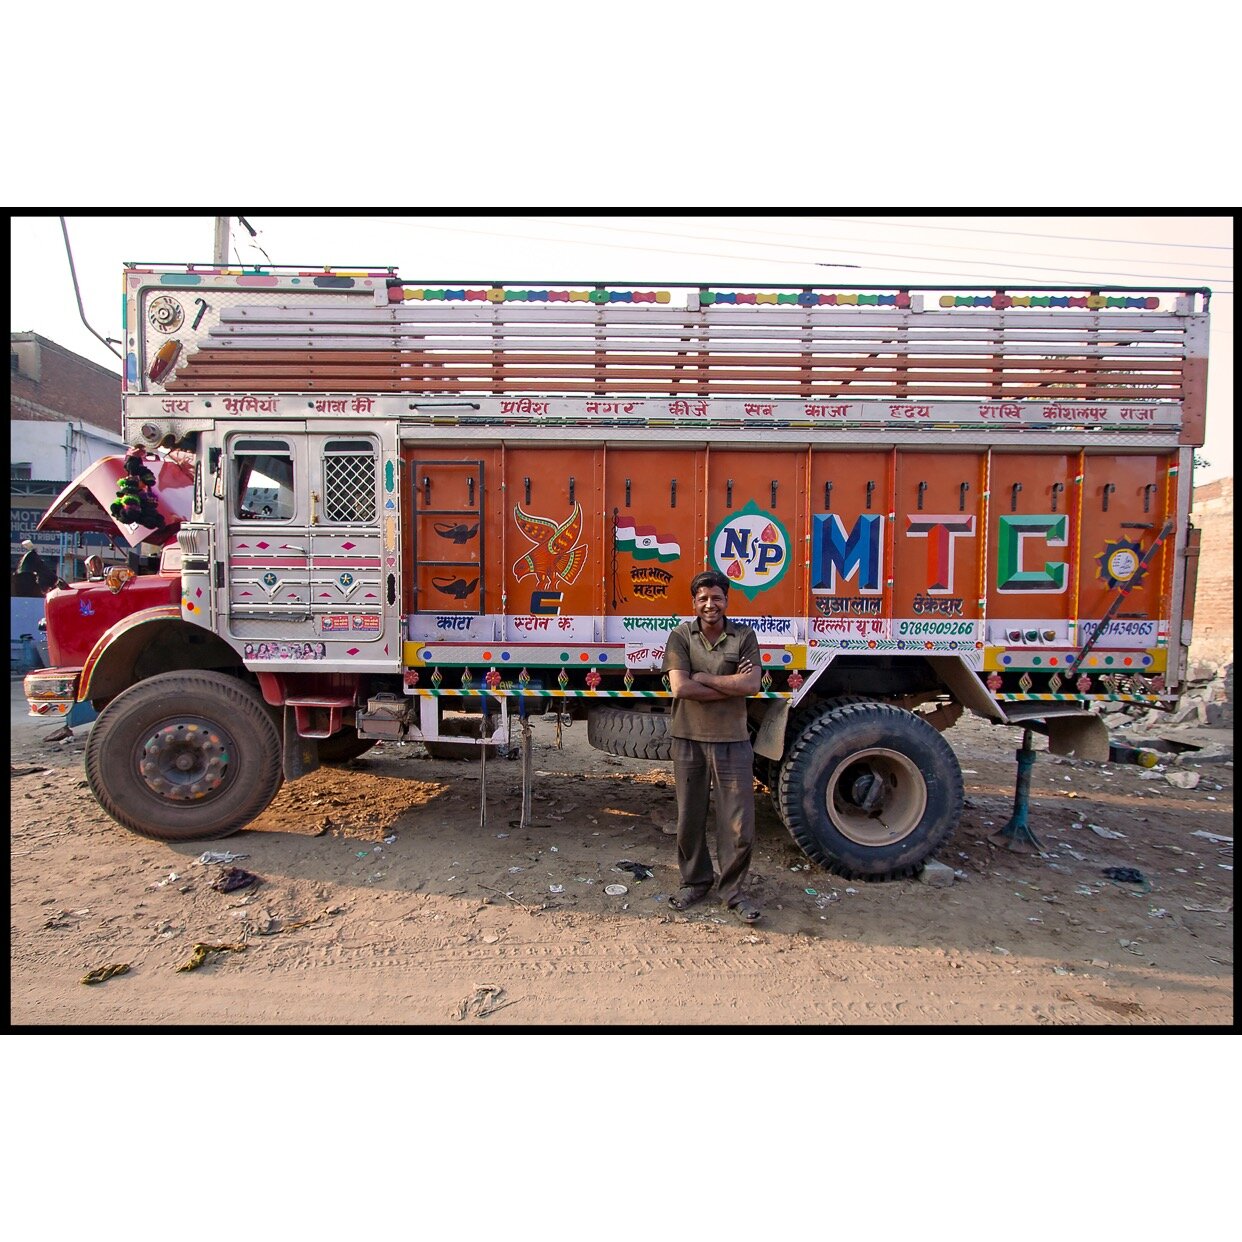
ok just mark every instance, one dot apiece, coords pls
pixel 1071 370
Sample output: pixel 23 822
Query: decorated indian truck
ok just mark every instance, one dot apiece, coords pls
pixel 420 511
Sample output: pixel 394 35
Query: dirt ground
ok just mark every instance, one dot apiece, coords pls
pixel 385 901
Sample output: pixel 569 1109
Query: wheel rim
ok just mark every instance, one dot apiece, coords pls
pixel 877 797
pixel 186 760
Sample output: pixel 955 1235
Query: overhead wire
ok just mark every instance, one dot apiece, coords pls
pixel 1225 267
pixel 953 228
pixel 1090 277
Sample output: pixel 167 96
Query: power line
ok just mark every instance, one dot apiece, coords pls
pixel 1224 267
pixel 1091 277
pixel 952 228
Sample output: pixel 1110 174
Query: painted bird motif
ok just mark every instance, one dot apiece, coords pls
pixel 557 554
pixel 458 533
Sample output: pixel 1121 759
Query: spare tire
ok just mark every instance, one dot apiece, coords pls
pixel 632 734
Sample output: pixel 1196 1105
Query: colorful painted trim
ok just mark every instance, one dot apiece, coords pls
pixel 1094 301
pixel 1091 698
pixel 397 294
pixel 509 692
pixel 900 300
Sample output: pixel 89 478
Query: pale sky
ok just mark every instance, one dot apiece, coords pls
pixel 897 250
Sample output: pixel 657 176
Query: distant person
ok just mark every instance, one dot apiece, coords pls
pixel 713 666
pixel 41 573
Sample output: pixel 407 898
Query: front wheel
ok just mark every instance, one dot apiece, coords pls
pixel 870 791
pixel 184 757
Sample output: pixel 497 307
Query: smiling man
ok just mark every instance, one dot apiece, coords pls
pixel 713 665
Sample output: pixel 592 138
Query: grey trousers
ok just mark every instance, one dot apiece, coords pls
pixel 728 769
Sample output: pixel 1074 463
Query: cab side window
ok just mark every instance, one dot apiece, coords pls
pixel 263 481
pixel 349 477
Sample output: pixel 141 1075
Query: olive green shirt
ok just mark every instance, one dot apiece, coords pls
pixel 687 650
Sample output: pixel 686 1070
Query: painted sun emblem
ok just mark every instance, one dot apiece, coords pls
pixel 1121 562
pixel 557 554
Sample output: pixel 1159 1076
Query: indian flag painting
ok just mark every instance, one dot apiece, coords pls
pixel 643 543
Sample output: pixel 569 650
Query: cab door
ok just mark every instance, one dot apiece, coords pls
pixel 266 585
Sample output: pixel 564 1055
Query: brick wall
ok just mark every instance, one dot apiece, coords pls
pixel 1212 512
pixel 52 384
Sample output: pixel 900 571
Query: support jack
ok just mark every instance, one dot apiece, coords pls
pixel 1016 835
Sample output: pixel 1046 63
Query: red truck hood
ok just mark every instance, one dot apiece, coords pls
pixel 83 505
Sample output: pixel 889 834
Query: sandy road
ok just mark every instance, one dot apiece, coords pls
pixel 451 924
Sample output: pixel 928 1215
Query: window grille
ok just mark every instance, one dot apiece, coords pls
pixel 349 481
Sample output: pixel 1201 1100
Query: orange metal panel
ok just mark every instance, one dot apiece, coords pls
pixel 447 543
pixel 939 536
pixel 1032 534
pixel 552 530
pixel 843 488
pixel 1118 526
pixel 756 519
pixel 650 564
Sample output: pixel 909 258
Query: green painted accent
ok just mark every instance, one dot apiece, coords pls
pixel 786 299
pixel 390 476
pixel 1010 577
pixel 731 550
pixel 180 278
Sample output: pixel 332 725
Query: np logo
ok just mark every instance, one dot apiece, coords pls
pixel 751 549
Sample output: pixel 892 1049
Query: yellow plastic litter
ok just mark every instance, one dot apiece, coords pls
pixel 199 956
pixel 106 972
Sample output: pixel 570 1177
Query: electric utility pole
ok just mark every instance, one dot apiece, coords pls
pixel 220 256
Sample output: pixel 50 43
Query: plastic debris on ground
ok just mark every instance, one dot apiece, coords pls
pixel 105 972
pixel 1214 837
pixel 556 888
pixel 211 857
pixel 481 1003
pixel 1107 833
pixel 1126 875
pixel 616 890
pixel 1182 779
pixel 233 879
pixel 199 956
pixel 640 871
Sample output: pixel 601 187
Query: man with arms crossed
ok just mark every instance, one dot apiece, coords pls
pixel 713 665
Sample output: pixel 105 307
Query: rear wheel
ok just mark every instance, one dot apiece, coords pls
pixel 870 791
pixel 184 757
pixel 344 745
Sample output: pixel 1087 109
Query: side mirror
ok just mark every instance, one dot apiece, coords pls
pixel 94 567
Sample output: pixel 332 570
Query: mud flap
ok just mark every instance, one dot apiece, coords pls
pixel 770 740
pixel 1079 737
pixel 301 754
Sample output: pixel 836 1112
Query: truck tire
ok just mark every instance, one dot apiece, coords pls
pixel 870 791
pixel 768 771
pixel 184 757
pixel 635 735
pixel 343 746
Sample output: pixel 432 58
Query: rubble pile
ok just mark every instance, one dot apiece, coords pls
pixel 1206 703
